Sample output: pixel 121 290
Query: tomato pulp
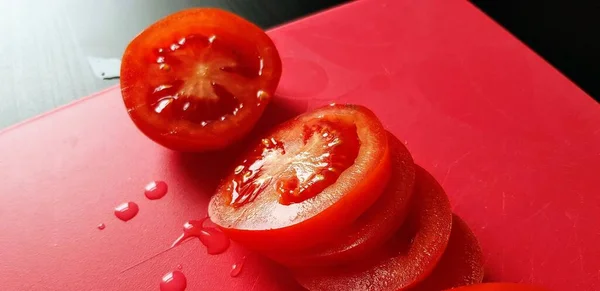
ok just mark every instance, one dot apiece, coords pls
pixel 305 180
pixel 500 287
pixel 199 79
pixel 374 227
pixel 461 264
pixel 406 259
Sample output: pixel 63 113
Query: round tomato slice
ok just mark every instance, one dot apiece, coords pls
pixel 461 264
pixel 199 79
pixel 407 258
pixel 500 287
pixel 374 227
pixel 305 180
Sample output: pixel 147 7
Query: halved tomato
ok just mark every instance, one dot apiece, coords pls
pixel 500 287
pixel 406 259
pixel 199 79
pixel 461 264
pixel 374 227
pixel 306 180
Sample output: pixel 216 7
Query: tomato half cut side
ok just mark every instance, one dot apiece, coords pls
pixel 199 79
pixel 305 180
pixel 461 264
pixel 500 287
pixel 374 227
pixel 406 259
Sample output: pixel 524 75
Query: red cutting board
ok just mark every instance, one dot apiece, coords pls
pixel 514 143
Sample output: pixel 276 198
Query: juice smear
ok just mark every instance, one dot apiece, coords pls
pixel 215 240
pixel 236 269
pixel 127 211
pixel 156 190
pixel 173 281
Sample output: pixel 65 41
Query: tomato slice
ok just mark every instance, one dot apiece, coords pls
pixel 305 180
pixel 461 264
pixel 374 227
pixel 406 259
pixel 500 287
pixel 199 79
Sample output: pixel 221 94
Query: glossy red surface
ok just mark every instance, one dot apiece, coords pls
pixel 515 144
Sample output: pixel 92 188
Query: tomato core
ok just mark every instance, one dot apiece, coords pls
pixel 199 79
pixel 299 170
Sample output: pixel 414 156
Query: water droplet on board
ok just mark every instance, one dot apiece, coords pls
pixel 127 211
pixel 179 267
pixel 236 269
pixel 156 190
pixel 173 281
pixel 101 226
pixel 215 240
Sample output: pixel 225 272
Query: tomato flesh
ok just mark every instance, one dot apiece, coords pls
pixel 328 148
pixel 406 259
pixel 199 79
pixel 461 264
pixel 309 177
pixel 374 227
pixel 500 287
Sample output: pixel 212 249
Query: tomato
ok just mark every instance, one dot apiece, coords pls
pixel 305 180
pixel 372 228
pixel 199 79
pixel 500 287
pixel 461 264
pixel 409 256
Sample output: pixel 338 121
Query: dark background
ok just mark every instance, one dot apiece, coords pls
pixel 45 44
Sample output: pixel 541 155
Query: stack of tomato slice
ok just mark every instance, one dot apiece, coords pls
pixel 330 194
pixel 336 198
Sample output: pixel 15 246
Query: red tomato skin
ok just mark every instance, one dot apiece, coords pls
pixel 499 287
pixel 374 227
pixel 407 259
pixel 187 137
pixel 460 265
pixel 320 225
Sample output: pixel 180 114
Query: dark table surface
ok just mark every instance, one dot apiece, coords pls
pixel 46 46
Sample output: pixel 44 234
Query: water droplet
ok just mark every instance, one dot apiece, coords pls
pixel 236 269
pixel 215 240
pixel 179 267
pixel 262 95
pixel 173 281
pixel 212 38
pixel 101 226
pixel 156 190
pixel 127 211
pixel 162 104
